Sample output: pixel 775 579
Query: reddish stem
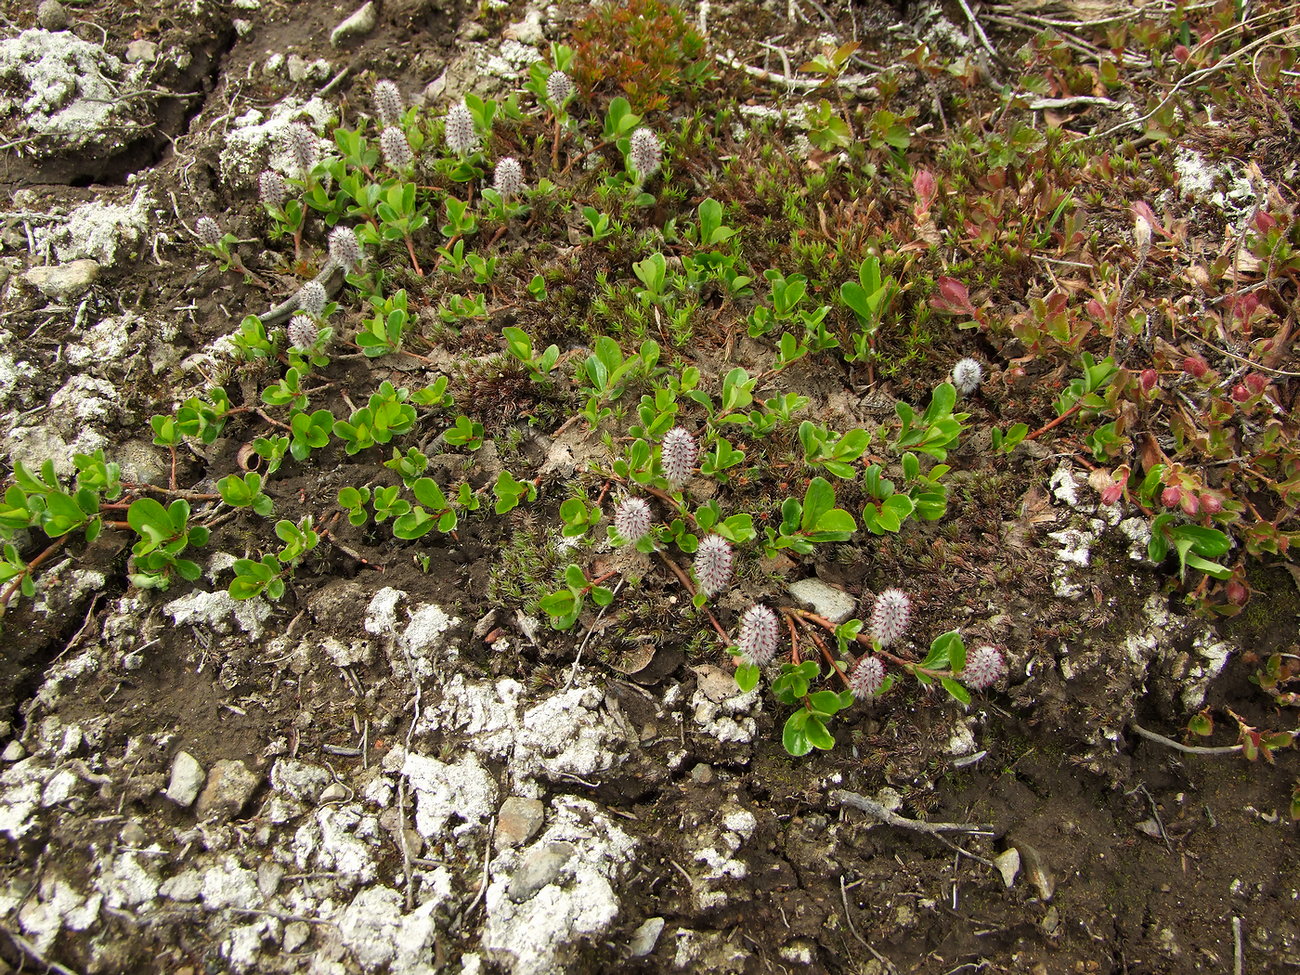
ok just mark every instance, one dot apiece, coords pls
pixel 1057 422
pixel 18 579
pixel 685 581
pixel 821 645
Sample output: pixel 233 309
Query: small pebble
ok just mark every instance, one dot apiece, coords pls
pixel 361 23
pixel 141 52
pixel 51 15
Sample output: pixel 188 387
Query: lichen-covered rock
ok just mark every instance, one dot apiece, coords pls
pixel 231 784
pixel 58 86
pixel 540 933
pixel 63 282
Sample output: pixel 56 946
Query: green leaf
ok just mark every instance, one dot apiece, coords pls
pixel 819 499
pixel 1209 542
pixel 818 735
pixel 956 690
pixel 793 737
pixel 836 522
pixel 427 492
pixel 574 577
pixel 827 702
pixel 416 523
pixel 942 650
pixel 558 604
pixel 747 677
pixel 738 529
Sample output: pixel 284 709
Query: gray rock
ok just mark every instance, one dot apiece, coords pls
pixel 230 785
pixel 361 23
pixel 540 867
pixel 529 30
pixel 13 751
pixel 186 780
pixel 141 52
pixel 834 604
pixel 185 886
pixel 298 68
pixel 702 774
pixel 299 780
pixel 63 282
pixel 334 792
pixel 296 934
pixel 1008 864
pixel 268 878
pixel 1036 869
pixel 51 15
pixel 645 937
pixel 517 822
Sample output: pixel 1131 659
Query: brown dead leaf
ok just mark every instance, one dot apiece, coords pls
pixel 1149 452
pixel 1036 506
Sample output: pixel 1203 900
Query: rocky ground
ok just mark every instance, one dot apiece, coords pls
pixel 397 767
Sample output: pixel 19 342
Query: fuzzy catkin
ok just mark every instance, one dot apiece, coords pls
pixel 312 297
pixel 632 520
pixel 559 89
pixel 645 153
pixel 345 249
pixel 966 375
pixel 396 150
pixel 678 455
pixel 459 131
pixel 388 103
pixel 301 143
pixel 713 564
pixel 868 677
pixel 508 180
pixel 302 332
pixel 758 635
pixel 271 189
pixel 984 668
pixel 889 616
pixel 208 231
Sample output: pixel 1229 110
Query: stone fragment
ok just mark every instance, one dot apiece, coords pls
pixel 541 866
pixel 186 780
pixel 834 604
pixel 1008 864
pixel 298 68
pixel 529 30
pixel 141 52
pixel 59 788
pixel 268 878
pixel 298 779
pixel 51 15
pixel 230 785
pixel 185 886
pixel 702 774
pixel 645 937
pixel 517 822
pixel 361 23
pixel 63 282
pixel 1036 869
pixel 14 751
pixel 296 934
